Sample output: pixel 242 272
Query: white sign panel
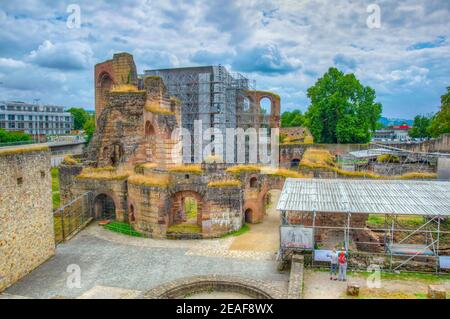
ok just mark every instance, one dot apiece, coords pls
pixel 296 237
pixel 322 255
pixel 444 262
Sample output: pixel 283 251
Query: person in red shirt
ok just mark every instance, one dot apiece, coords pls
pixel 342 260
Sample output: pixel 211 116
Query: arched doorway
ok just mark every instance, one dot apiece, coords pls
pixel 105 209
pixel 186 212
pixel 149 129
pixel 295 163
pixel 269 202
pixel 248 216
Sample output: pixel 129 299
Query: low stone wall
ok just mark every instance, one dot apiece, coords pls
pixel 390 169
pixel 295 290
pixel 26 220
pixel 181 288
pixel 67 174
pixel 361 261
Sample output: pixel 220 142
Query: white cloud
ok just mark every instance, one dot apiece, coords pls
pixel 284 44
pixel 68 56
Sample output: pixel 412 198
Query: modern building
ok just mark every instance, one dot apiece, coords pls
pixel 401 132
pixel 393 133
pixel 35 119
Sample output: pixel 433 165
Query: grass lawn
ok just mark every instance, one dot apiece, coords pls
pixel 377 221
pixel 55 188
pixel 238 232
pixel 122 228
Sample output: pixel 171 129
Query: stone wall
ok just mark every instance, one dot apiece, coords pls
pixel 67 174
pixel 291 153
pixel 26 218
pixel 222 211
pixel 392 169
pixel 441 145
pixel 295 289
pixel 119 70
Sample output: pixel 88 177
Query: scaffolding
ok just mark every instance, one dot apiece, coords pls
pixel 395 160
pixel 305 204
pixel 210 94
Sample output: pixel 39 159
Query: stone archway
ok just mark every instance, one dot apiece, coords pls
pixel 186 209
pixel 150 136
pixel 104 84
pixel 104 207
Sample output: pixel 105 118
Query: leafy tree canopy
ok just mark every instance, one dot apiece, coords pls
pixel 80 117
pixel 342 110
pixel 440 124
pixel 10 137
pixel 292 119
pixel 89 127
pixel 421 127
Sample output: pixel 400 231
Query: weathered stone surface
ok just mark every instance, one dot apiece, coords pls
pixel 295 290
pixel 26 218
pixel 185 286
pixel 352 289
pixel 437 292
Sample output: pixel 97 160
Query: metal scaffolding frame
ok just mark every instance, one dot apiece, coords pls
pixel 394 247
pixel 213 95
pixel 400 157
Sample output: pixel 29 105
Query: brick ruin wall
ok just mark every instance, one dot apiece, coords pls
pixel 121 69
pixel 26 232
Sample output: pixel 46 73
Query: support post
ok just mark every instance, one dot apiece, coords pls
pixel 313 238
pixel 347 239
pixel 392 242
pixel 437 244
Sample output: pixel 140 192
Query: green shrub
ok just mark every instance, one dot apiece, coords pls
pixel 122 228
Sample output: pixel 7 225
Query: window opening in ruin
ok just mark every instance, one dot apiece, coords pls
pixel 253 182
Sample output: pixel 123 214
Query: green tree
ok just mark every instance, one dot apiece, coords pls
pixel 89 128
pixel 11 137
pixel 292 119
pixel 80 117
pixel 421 127
pixel 440 124
pixel 342 110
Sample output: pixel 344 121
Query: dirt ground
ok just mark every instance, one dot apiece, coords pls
pixel 317 285
pixel 263 236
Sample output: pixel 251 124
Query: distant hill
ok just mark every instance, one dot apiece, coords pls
pixel 394 121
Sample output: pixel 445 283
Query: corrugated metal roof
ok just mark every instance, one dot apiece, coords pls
pixel 370 153
pixel 366 196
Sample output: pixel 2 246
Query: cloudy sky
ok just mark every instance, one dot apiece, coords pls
pixel 284 45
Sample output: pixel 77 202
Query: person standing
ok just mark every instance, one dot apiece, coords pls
pixel 334 264
pixel 342 260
